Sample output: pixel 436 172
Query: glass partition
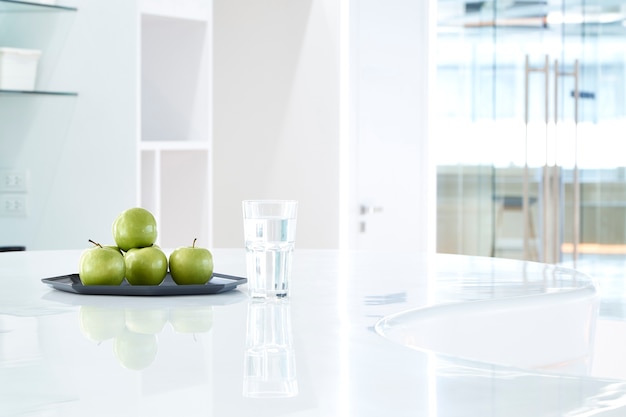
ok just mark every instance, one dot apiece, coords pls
pixel 531 110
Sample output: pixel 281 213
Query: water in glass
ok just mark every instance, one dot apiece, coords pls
pixel 269 251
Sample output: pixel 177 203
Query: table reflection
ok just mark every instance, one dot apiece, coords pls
pixel 270 361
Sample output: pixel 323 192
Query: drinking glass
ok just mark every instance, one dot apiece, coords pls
pixel 270 233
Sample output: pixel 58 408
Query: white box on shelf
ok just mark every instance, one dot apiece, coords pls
pixel 18 68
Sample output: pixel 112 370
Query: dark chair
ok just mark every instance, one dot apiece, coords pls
pixel 12 248
pixel 508 204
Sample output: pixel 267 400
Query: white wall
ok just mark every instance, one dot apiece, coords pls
pixel 276 114
pixel 275 119
pixel 79 151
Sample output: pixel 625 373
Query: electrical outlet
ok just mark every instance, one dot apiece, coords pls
pixel 12 205
pixel 13 181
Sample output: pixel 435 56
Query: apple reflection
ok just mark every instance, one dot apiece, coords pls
pixel 101 323
pixel 146 320
pixel 186 319
pixel 134 329
pixel 135 351
pixel 269 362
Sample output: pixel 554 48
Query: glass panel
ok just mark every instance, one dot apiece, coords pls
pixel 481 141
pixel 26 6
pixel 466 108
pixel 600 134
pixel 551 140
pixel 37 92
pixel 38 26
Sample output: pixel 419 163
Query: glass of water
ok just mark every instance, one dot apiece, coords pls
pixel 270 234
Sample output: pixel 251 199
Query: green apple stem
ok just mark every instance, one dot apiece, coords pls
pixel 193 245
pixel 95 243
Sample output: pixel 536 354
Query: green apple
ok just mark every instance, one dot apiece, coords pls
pixel 135 351
pixel 101 265
pixel 134 228
pixel 191 265
pixel 115 248
pixel 145 266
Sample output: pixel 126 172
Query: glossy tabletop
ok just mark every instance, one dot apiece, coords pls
pixel 362 334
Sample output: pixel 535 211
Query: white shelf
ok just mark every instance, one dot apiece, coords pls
pixel 199 10
pixel 175 188
pixel 153 145
pixel 175 139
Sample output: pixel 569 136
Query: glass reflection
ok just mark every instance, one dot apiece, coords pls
pixel 270 362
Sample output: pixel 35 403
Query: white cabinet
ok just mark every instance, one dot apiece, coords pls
pixel 174 158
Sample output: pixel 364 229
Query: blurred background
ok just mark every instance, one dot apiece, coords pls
pixel 489 128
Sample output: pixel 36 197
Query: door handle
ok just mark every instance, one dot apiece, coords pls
pixel 575 73
pixel 551 176
pixel 370 209
pixel 545 71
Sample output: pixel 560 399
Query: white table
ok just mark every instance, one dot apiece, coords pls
pixel 58 354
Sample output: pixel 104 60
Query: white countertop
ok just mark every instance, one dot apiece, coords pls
pixel 490 338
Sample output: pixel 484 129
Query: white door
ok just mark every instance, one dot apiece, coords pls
pixel 393 203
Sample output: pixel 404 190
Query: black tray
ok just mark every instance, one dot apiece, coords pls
pixel 218 284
